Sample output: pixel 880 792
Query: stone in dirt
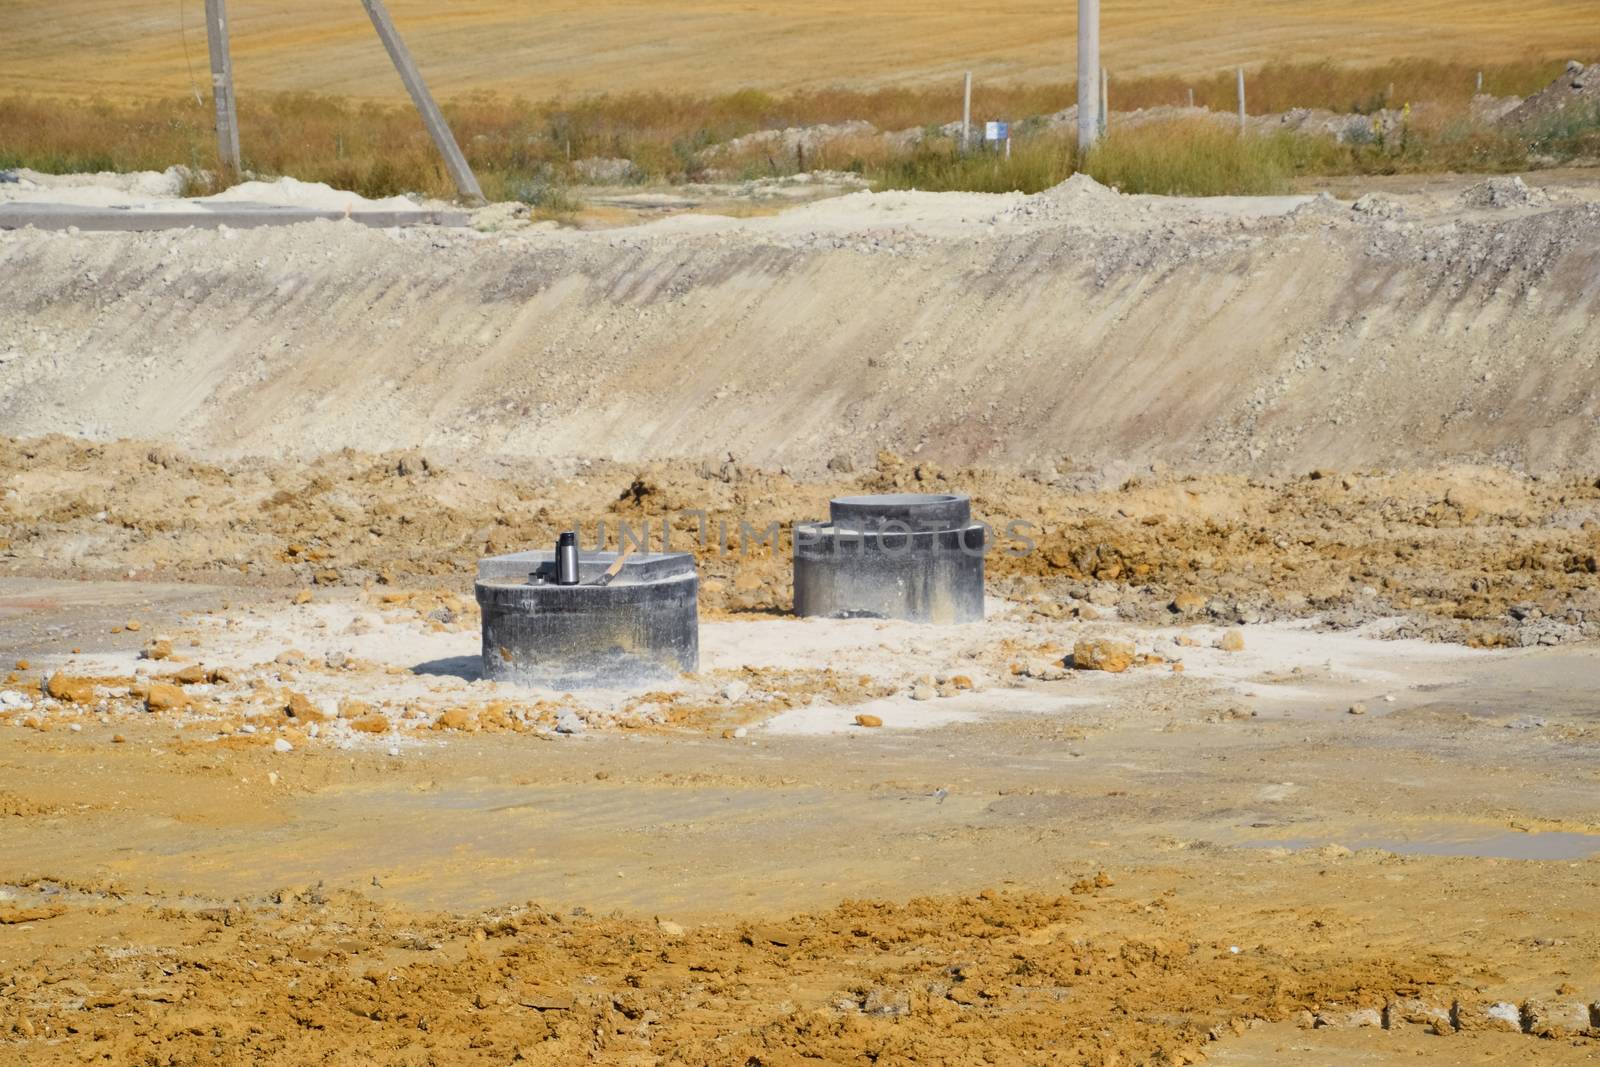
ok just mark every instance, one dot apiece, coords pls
pixel 456 719
pixel 370 724
pixel 1358 709
pixel 1232 641
pixel 1497 1015
pixel 299 707
pixel 880 1001
pixel 569 723
pixel 72 690
pixel 354 709
pixel 1188 604
pixel 1102 654
pixel 1101 880
pixel 158 649
pixel 923 691
pixel 497 716
pixel 1349 1020
pixel 164 696
pixel 865 719
pixel 1413 1012
pixel 193 674
pixel 1556 1020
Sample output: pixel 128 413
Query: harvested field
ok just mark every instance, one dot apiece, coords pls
pixel 565 48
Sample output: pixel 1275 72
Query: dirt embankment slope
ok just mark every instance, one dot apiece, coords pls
pixel 1274 334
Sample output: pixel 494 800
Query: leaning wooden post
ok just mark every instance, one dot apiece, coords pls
pixel 1088 74
pixel 432 117
pixel 1241 100
pixel 966 113
pixel 222 86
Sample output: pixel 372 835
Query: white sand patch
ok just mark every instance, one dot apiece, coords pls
pixel 903 713
pixel 1342 658
pixel 162 191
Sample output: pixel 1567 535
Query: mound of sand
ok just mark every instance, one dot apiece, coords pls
pixel 1502 192
pixel 164 189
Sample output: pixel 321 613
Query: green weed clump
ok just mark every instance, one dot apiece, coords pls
pixel 1035 164
pixel 1195 159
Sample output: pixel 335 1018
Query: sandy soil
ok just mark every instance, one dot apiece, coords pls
pixel 162 190
pixel 1328 470
pixel 272 814
pixel 137 47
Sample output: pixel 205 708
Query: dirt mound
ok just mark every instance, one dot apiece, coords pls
pixel 1471 554
pixel 1576 90
pixel 1081 191
pixel 869 981
pixel 1504 193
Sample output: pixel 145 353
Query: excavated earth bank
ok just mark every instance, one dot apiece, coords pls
pixel 1270 334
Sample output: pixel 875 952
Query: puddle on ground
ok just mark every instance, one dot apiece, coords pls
pixel 1510 845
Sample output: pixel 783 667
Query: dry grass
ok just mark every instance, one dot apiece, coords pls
pixel 524 150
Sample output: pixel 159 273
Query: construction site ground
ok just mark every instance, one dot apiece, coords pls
pixel 1319 476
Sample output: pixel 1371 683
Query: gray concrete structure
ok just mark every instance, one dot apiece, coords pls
pixel 641 628
pixel 911 556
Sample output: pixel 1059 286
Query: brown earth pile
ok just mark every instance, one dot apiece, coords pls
pixel 1000 977
pixel 1470 554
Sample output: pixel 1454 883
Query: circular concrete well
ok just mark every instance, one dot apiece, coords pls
pixel 912 556
pixel 640 627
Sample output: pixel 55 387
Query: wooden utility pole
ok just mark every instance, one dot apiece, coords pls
pixel 432 117
pixel 222 86
pixel 966 113
pixel 1241 100
pixel 1088 74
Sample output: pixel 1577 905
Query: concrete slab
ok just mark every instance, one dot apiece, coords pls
pixel 184 214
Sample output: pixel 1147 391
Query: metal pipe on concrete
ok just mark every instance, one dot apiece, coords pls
pixel 620 621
